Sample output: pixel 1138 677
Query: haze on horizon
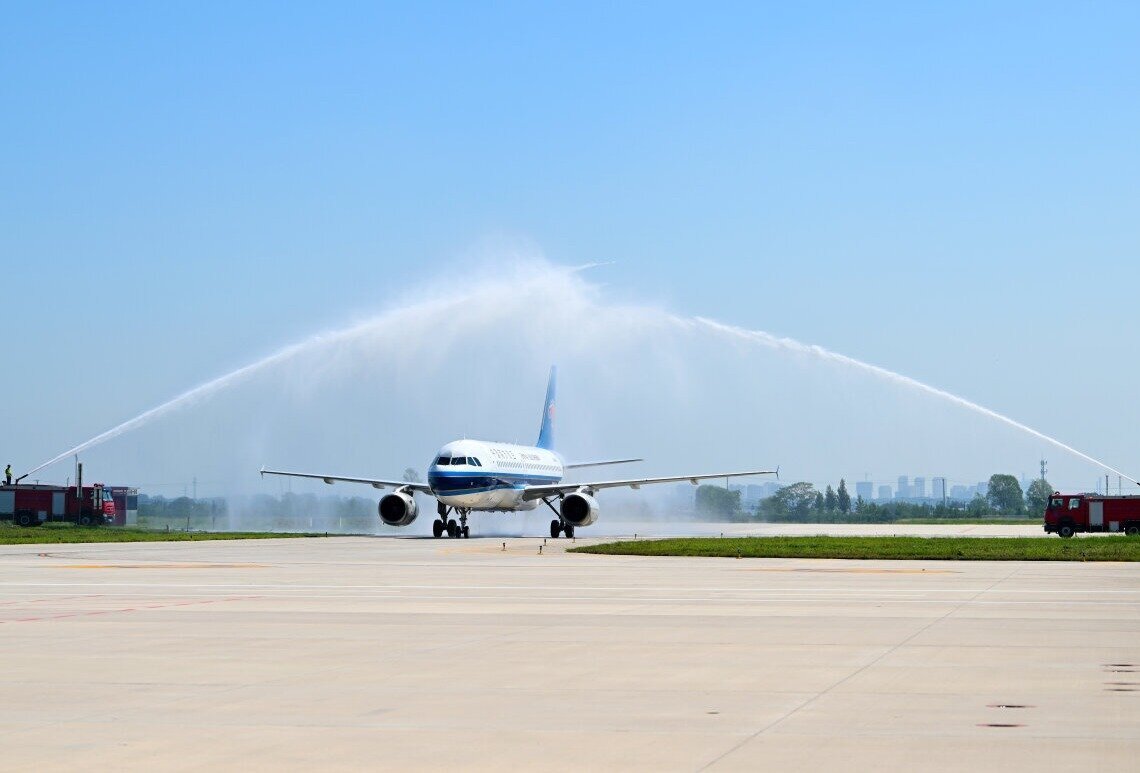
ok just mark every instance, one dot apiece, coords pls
pixel 947 193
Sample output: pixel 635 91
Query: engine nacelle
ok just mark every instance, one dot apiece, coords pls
pixel 397 509
pixel 579 509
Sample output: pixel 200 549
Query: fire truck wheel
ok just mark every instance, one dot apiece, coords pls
pixel 24 519
pixel 1132 531
pixel 1065 531
pixel 84 520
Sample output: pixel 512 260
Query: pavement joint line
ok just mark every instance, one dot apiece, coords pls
pixel 547 588
pixel 808 595
pixel 114 610
pixel 787 715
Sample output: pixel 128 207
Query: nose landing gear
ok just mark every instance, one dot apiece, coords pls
pixel 450 526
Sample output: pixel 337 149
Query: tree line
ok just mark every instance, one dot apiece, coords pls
pixel 802 501
pixel 287 511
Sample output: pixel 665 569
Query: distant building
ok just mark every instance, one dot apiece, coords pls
pixel 983 487
pixel 885 492
pixel 918 489
pixel 938 488
pixel 863 488
pixel 961 493
pixel 903 491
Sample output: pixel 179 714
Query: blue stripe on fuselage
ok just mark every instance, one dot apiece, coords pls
pixel 456 483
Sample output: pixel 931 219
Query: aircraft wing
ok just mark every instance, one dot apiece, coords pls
pixel 578 465
pixel 373 482
pixel 558 489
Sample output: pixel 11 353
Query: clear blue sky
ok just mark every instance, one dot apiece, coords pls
pixel 950 192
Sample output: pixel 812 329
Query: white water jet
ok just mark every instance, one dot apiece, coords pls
pixel 203 391
pixel 549 312
pixel 792 345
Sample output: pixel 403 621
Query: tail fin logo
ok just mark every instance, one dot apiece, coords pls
pixel 546 431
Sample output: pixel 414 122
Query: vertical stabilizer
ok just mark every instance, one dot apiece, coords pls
pixel 546 431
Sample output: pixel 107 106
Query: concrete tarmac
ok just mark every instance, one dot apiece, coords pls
pixel 406 654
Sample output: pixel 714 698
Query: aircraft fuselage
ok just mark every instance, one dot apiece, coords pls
pixel 479 475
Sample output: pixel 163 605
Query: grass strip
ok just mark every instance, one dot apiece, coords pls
pixel 56 535
pixel 1108 548
pixel 970 521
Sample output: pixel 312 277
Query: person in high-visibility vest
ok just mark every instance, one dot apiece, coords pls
pixel 8 475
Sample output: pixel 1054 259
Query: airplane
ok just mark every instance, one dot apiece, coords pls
pixel 477 475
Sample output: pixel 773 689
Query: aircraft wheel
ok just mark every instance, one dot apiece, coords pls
pixel 437 528
pixel 466 532
pixel 555 529
pixel 452 528
pixel 569 531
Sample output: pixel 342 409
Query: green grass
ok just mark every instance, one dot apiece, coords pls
pixel 972 521
pixel 1108 548
pixel 67 533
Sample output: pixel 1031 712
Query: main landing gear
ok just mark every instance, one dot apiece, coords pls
pixel 444 524
pixel 559 525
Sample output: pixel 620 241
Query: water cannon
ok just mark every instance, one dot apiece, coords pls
pixel 17 481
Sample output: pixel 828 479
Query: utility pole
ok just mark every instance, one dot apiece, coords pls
pixel 195 487
pixel 1043 467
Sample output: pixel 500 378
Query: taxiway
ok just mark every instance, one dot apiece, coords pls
pixel 349 653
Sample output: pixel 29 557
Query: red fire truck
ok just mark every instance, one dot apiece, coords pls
pixel 35 504
pixel 1069 513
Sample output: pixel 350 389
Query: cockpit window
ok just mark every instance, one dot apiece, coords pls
pixel 474 461
pixel 443 460
pixel 459 460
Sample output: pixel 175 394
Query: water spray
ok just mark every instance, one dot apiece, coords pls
pixel 561 284
pixel 791 345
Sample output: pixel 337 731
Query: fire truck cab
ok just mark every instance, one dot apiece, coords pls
pixel 1067 514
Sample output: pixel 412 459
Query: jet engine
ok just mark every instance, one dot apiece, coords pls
pixel 579 509
pixel 397 509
